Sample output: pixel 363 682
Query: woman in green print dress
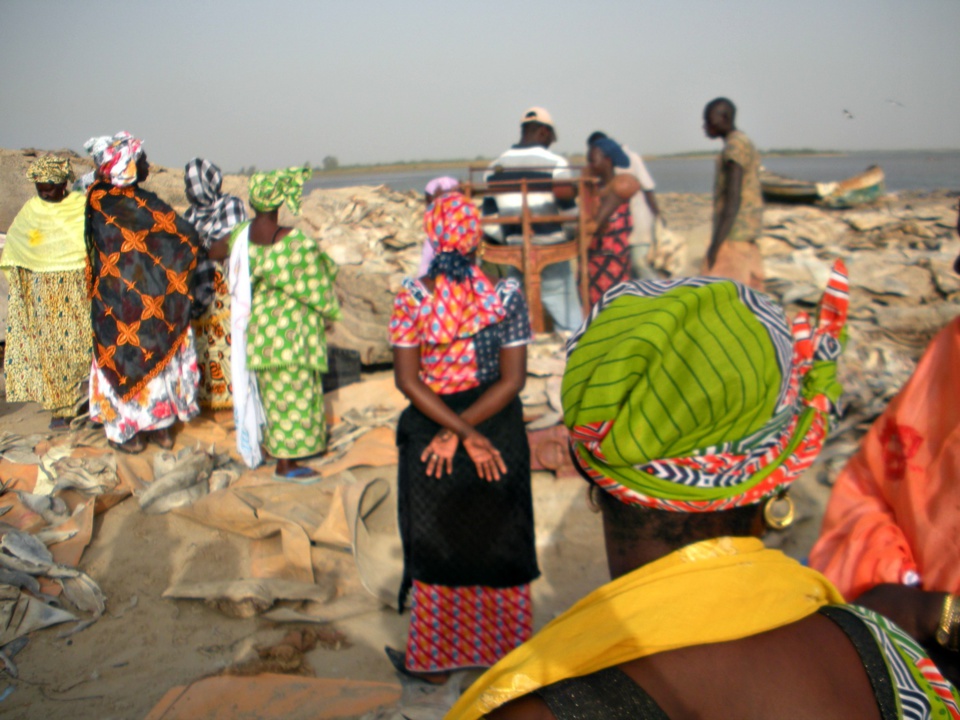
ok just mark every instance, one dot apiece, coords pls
pixel 292 298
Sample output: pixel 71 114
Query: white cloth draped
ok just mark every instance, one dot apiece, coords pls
pixel 248 414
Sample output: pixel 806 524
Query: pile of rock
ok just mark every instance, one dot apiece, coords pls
pixel 900 254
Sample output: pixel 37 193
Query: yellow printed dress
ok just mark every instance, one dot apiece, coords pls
pixel 292 299
pixel 48 344
pixel 212 337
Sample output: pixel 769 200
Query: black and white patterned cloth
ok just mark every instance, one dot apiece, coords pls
pixel 211 212
pixel 214 215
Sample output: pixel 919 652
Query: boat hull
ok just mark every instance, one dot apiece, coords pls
pixel 857 190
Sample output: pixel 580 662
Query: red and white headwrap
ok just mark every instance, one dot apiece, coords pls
pixel 119 159
pixel 464 299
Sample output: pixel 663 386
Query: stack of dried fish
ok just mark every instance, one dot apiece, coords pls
pixel 182 478
pixel 59 470
pixel 23 607
pixel 546 360
pixel 903 289
pixel 24 557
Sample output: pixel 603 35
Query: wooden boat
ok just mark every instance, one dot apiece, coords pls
pixel 857 190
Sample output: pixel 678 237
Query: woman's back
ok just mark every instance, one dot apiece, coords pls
pixel 809 669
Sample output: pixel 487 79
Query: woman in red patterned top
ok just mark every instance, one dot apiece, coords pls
pixel 465 506
pixel 608 258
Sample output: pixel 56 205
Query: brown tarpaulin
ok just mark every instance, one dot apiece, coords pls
pixel 264 697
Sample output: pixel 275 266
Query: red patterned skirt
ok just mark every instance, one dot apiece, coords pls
pixel 465 627
pixel 608 257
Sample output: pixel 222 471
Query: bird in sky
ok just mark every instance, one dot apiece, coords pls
pixel 896 102
pixel 847 114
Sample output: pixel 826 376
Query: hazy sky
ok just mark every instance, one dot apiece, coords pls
pixel 281 82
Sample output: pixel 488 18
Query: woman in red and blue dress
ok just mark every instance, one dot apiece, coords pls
pixel 465 506
pixel 609 259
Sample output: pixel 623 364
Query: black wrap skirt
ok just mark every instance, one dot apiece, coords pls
pixel 461 529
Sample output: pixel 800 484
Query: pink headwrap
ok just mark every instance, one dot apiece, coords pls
pixel 464 299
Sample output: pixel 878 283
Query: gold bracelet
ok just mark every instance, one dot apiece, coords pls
pixel 948 631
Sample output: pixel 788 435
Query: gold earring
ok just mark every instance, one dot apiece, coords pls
pixel 779 522
pixel 481 249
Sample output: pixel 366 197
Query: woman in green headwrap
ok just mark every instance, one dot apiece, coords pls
pixel 292 299
pixel 49 341
pixel 691 406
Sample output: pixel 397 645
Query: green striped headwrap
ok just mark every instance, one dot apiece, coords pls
pixel 695 395
pixel 270 190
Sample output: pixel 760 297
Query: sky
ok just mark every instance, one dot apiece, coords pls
pixel 270 84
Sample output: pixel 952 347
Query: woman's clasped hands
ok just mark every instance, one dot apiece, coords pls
pixel 438 455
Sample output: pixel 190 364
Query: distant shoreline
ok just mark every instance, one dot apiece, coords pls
pixel 578 159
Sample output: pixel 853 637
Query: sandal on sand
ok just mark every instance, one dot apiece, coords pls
pixel 396 659
pixel 133 446
pixel 163 438
pixel 298 474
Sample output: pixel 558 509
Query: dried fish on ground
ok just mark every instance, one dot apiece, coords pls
pixel 24 553
pixel 21 614
pixel 352 425
pixel 19 448
pixel 58 470
pixel 246 598
pixel 52 509
pixel 180 479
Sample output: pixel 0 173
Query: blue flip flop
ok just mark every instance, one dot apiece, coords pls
pixel 301 475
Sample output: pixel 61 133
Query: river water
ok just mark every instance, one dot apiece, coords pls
pixel 904 170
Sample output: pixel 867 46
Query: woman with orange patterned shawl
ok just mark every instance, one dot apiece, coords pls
pixel 465 513
pixel 141 257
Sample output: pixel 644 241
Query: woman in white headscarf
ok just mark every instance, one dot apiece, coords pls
pixel 141 260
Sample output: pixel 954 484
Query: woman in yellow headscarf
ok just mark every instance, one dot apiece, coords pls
pixel 692 405
pixel 48 344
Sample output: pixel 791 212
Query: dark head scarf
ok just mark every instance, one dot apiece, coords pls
pixel 214 215
pixel 612 150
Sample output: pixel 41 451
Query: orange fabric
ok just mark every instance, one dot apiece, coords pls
pixel 274 696
pixel 894 513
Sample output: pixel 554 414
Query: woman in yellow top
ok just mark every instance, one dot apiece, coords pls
pixel 692 405
pixel 48 341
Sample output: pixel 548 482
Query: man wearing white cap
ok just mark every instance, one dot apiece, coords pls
pixel 531 159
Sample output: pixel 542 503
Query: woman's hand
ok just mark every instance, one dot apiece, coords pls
pixel 438 455
pixel 485 456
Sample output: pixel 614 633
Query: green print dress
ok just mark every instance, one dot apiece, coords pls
pixel 292 298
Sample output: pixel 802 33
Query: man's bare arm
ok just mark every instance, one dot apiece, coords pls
pixel 731 207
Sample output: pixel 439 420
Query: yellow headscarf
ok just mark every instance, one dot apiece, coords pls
pixel 708 592
pixel 47 236
pixel 50 169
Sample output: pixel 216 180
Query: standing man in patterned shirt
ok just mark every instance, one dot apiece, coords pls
pixel 737 200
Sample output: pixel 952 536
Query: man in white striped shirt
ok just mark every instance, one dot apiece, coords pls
pixel 531 158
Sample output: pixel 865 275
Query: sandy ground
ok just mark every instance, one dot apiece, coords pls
pixel 121 666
